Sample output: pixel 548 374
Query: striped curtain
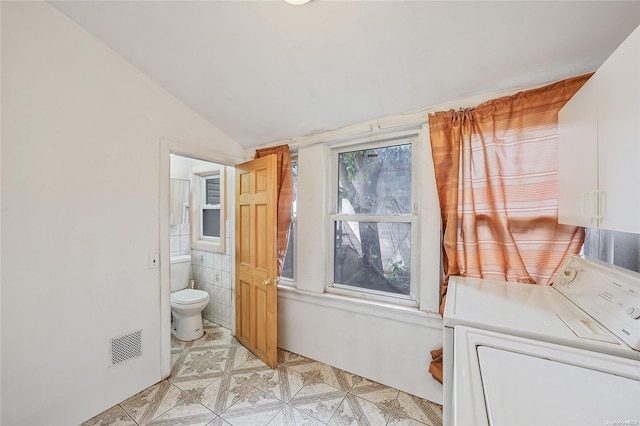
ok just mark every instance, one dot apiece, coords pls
pixel 285 197
pixel 496 169
pixel 497 176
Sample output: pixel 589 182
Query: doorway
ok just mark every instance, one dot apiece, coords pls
pixel 212 254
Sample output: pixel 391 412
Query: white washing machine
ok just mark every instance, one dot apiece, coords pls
pixel 521 354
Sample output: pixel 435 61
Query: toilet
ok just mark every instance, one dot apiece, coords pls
pixel 186 304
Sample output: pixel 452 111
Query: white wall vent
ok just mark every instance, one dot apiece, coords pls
pixel 126 347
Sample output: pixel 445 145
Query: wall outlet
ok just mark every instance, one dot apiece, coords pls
pixel 154 260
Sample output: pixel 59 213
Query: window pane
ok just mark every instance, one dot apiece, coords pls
pixel 211 222
pixel 618 248
pixel 294 184
pixel 374 256
pixel 375 181
pixel 213 191
pixel 287 267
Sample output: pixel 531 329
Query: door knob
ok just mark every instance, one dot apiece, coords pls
pixel 266 282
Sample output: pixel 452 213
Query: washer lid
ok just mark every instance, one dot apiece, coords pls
pixel 552 392
pixel 189 296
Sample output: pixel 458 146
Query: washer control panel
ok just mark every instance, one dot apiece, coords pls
pixel 609 294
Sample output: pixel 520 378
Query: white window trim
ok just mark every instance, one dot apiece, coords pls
pixel 198 241
pixel 294 219
pixel 370 142
pixel 205 206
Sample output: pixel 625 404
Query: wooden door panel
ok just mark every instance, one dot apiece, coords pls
pixel 261 180
pixel 244 238
pixel 245 184
pixel 261 233
pixel 256 264
pixel 245 321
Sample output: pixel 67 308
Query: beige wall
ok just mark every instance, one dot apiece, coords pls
pixel 81 133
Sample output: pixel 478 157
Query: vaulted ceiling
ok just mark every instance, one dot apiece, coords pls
pixel 263 71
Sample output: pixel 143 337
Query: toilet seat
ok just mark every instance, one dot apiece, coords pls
pixel 188 296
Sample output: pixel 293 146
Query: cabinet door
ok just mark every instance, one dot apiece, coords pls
pixel 578 157
pixel 619 137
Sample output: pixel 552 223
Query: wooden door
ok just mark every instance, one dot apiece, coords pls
pixel 256 266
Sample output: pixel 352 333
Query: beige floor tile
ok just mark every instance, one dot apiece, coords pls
pixel 252 376
pixel 411 407
pixel 282 383
pixel 198 365
pixel 358 411
pixel 114 416
pixel 166 401
pixel 215 335
pixel 356 381
pixel 290 416
pixel 218 421
pixel 222 394
pixel 142 405
pixel 286 357
pixel 187 411
pixel 318 400
pixel 196 386
pixel 381 395
pixel 253 409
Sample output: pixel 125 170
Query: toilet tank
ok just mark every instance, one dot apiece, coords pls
pixel 179 272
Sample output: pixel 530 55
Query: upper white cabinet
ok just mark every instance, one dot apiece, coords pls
pixel 577 171
pixel 599 130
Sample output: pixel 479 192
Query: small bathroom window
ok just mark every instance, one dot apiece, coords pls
pixel 208 220
pixel 210 203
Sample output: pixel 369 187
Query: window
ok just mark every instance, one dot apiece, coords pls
pixel 617 248
pixel 210 194
pixel 288 269
pixel 208 216
pixel 373 220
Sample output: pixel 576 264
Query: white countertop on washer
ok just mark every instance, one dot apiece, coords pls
pixel 524 310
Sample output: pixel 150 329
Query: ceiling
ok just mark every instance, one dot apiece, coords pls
pixel 263 71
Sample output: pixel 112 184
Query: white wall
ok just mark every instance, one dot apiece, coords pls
pixel 80 196
pixel 181 166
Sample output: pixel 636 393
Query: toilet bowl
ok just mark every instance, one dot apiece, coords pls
pixel 186 304
pixel 186 307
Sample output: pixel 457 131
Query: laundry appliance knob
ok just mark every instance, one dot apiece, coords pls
pixel 633 312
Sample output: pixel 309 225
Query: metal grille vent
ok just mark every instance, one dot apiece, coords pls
pixel 126 347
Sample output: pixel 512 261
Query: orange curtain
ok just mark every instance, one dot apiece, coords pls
pixel 285 197
pixel 496 171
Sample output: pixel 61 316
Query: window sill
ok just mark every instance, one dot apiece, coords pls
pixel 209 246
pixel 406 314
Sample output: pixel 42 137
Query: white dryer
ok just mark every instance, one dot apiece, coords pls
pixel 521 354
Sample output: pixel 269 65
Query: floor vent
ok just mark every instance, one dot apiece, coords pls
pixel 126 347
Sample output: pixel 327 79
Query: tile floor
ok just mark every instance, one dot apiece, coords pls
pixel 216 381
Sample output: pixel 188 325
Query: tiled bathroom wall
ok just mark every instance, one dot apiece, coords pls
pixel 180 240
pixel 212 273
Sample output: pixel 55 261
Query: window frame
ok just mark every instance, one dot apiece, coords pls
pixel 198 181
pixel 291 281
pixel 412 138
pixel 204 206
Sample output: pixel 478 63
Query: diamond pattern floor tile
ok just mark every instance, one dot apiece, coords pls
pixel 215 381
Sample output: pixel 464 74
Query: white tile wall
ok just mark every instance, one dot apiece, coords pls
pixel 179 240
pixel 212 273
